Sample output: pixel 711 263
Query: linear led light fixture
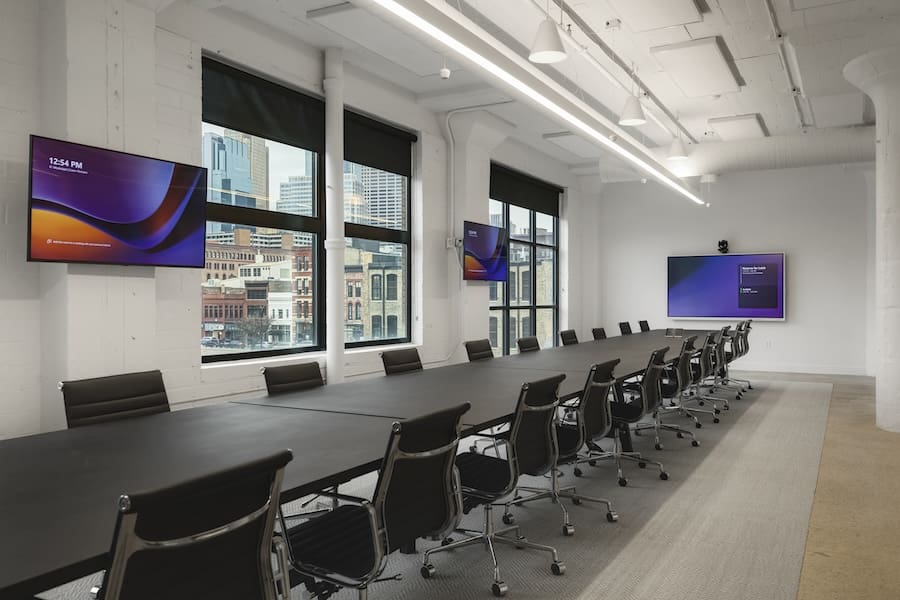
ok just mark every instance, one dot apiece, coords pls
pixel 454 44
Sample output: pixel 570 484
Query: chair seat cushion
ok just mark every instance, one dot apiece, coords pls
pixel 484 478
pixel 339 541
pixel 668 389
pixel 629 412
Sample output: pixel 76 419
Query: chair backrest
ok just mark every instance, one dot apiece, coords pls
pixel 479 349
pixel 720 349
pixel 683 367
pixel 707 358
pixel 644 325
pixel 401 361
pixel 594 414
pixel 650 392
pixel 745 334
pixel 292 378
pixel 599 333
pixel 568 337
pixel 102 399
pixel 417 493
pixel 625 328
pixel 532 438
pixel 528 344
pixel 210 537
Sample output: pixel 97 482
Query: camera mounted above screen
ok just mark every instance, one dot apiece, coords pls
pixel 723 246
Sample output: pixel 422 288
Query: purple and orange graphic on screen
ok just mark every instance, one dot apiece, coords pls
pixel 741 286
pixel 484 252
pixel 95 205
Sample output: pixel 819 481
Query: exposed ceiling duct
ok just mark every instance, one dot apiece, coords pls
pixel 848 145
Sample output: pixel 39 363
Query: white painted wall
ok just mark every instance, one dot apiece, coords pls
pixel 116 74
pixel 819 216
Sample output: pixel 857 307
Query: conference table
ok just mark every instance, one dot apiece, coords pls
pixel 58 490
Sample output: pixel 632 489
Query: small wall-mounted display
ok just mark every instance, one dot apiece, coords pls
pixel 94 205
pixel 485 252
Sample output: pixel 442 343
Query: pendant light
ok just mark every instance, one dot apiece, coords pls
pixel 632 114
pixel 548 45
pixel 677 151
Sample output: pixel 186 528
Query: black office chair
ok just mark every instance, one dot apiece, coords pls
pixel 625 328
pixel 103 399
pixel 625 413
pixel 676 384
pixel 401 361
pixel 528 344
pixel 702 369
pixel 599 333
pixel 740 346
pixel 479 350
pixel 292 378
pixel 531 450
pixel 568 337
pixel 210 537
pixel 417 494
pixel 644 325
pixel 589 418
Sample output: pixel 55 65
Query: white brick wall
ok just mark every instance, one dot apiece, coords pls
pixel 19 290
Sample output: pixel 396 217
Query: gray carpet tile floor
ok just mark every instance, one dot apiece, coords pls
pixel 729 524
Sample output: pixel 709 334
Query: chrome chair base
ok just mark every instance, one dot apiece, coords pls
pixel 489 537
pixel 555 493
pixel 596 453
pixel 657 425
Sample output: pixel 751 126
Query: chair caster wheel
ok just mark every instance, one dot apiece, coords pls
pixel 577 472
pixel 695 443
pixel 427 571
pixel 508 519
pixel 658 446
pixel 568 531
pixel 593 463
pixel 738 397
pixel 473 449
pixel 749 387
pixel 642 465
pixel 446 541
pixel 716 420
pixel 623 482
pixel 576 501
pixel 727 407
pixel 557 568
pixel 664 476
pixel 701 402
pixel 698 425
pixel 612 517
pixel 679 435
pixel 499 589
pixel 717 411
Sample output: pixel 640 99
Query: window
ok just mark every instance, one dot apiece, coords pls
pixel 529 303
pixel 262 145
pixel 376 287
pixel 392 326
pixel 391 292
pixel 376 326
pixel 377 172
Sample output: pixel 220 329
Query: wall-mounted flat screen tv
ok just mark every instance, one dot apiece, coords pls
pixel 727 286
pixel 93 205
pixel 485 252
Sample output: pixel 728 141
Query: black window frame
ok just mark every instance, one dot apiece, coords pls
pixel 509 187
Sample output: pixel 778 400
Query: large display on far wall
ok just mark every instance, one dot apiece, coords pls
pixel 727 286
pixel 485 252
pixel 93 205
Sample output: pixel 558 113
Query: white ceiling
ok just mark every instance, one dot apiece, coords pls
pixel 719 61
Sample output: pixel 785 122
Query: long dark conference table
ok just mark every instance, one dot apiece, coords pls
pixel 58 490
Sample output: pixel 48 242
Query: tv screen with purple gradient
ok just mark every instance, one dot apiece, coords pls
pixel 94 205
pixel 484 252
pixel 726 286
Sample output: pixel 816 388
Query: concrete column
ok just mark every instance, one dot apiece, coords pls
pixel 877 74
pixel 334 214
